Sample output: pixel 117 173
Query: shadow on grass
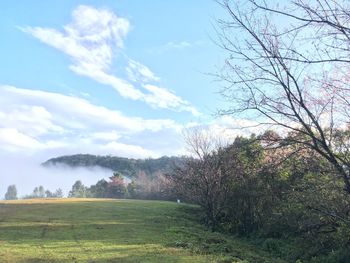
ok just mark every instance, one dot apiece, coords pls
pixel 135 231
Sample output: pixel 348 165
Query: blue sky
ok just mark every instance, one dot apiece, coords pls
pixel 107 77
pixel 122 78
pixel 171 38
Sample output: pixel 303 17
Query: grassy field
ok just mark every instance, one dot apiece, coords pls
pixel 102 230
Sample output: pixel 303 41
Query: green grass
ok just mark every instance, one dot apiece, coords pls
pixel 103 230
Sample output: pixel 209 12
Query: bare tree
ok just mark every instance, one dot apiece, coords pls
pixel 203 178
pixel 288 68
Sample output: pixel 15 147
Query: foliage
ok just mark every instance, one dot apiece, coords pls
pixel 57 194
pixel 11 193
pixel 116 187
pixel 223 182
pixel 287 196
pixel 99 190
pixel 125 166
pixel 141 187
pixel 39 192
pixel 156 187
pixel 78 190
pixel 292 76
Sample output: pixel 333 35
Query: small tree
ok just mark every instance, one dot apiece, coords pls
pixel 116 186
pixel 203 179
pixel 41 193
pixel 58 193
pixel 132 189
pixel 38 192
pixel 99 190
pixel 78 190
pixel 11 193
pixel 48 194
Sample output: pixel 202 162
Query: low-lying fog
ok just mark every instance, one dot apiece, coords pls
pixel 27 173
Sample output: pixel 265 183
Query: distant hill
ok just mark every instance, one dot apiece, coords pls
pixel 125 166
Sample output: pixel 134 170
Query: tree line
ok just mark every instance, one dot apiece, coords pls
pixel 126 166
pixel 142 186
pixel 284 195
pixel 287 73
pixel 38 192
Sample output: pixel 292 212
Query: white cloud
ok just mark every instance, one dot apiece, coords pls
pixel 172 46
pixel 138 72
pixel 11 139
pixel 226 128
pixel 125 149
pixel 91 40
pixel 26 173
pixel 123 87
pixel 35 120
pixel 75 113
pixel 105 136
pixel 164 98
pixel 38 120
pixel 55 124
pixel 177 45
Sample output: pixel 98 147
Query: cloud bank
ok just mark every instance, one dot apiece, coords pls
pixel 27 173
pixel 34 120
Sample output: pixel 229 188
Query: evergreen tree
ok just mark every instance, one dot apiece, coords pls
pixel 116 187
pixel 11 193
pixel 78 190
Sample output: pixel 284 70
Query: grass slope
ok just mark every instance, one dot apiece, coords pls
pixel 102 230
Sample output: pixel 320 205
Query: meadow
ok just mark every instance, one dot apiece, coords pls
pixel 106 230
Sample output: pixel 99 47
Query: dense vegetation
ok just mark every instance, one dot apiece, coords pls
pixel 132 178
pixel 284 197
pixel 141 187
pixel 286 70
pixel 11 193
pixel 125 166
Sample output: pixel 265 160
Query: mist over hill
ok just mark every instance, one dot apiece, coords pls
pixel 126 166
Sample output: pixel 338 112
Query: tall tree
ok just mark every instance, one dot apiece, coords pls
pixel 58 193
pixel 11 193
pixel 288 69
pixel 38 192
pixel 203 179
pixel 116 186
pixel 78 190
pixel 99 190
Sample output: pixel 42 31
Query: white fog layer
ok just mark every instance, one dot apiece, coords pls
pixel 27 173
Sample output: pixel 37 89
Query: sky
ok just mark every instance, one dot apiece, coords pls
pixel 103 77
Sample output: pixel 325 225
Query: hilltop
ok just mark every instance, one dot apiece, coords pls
pixel 127 166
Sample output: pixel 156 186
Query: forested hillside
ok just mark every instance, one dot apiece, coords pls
pixel 125 166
